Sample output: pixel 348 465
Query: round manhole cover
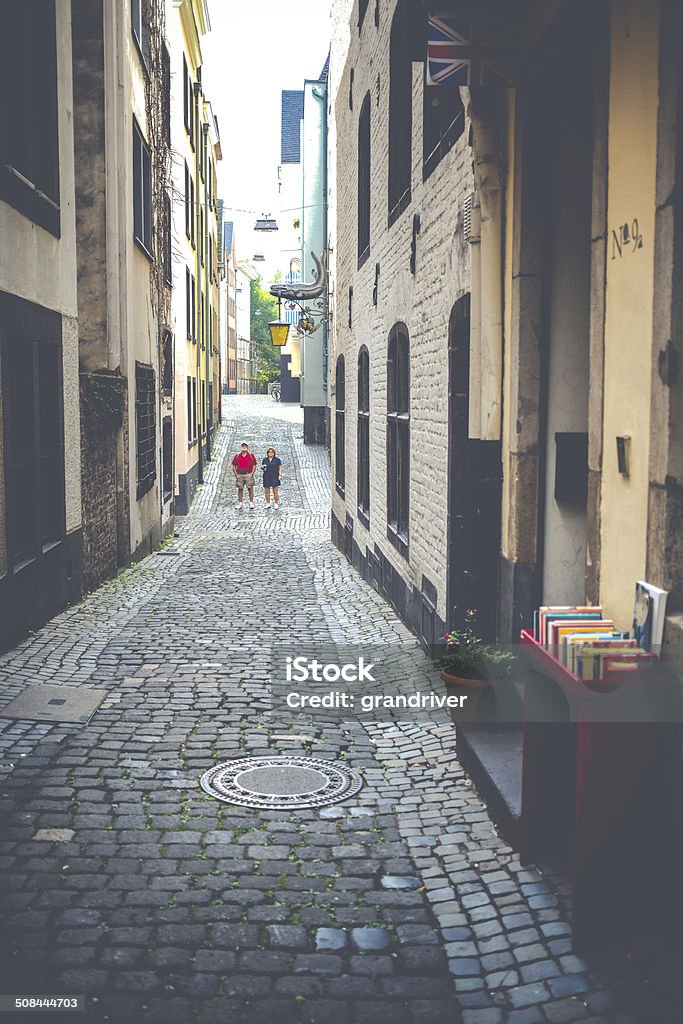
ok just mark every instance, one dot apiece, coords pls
pixel 281 782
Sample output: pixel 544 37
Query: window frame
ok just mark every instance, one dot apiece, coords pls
pixel 32 334
pixel 398 438
pixel 364 181
pixel 340 426
pixel 145 407
pixel 400 128
pixel 139 19
pixel 449 135
pixel 168 239
pixel 142 192
pixel 363 437
pixel 167 363
pixel 189 206
pixel 33 188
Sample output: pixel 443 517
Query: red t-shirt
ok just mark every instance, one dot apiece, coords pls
pixel 244 463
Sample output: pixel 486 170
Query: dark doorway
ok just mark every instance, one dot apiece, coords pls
pixel 167 457
pixel 474 495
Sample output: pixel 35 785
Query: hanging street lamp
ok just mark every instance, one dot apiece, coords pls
pixel 265 223
pixel 279 331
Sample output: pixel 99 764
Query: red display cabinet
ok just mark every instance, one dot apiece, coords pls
pixel 603 798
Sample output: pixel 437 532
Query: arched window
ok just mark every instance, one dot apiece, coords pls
pixel 398 437
pixel 364 181
pixel 363 436
pixel 407 44
pixel 443 122
pixel 340 427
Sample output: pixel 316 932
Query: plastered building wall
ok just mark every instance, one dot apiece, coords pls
pixel 629 300
pixel 41 268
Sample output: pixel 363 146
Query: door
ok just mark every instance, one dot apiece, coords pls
pixel 474 495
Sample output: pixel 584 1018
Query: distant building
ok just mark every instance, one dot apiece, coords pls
pixel 290 185
pixel 303 199
pixel 41 517
pixel 315 345
pixel 246 363
pixel 229 306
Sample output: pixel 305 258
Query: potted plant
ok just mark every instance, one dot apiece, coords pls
pixel 469 661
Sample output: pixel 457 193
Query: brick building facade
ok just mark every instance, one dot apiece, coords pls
pixel 410 271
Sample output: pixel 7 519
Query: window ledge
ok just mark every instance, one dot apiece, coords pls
pixel 141 245
pixel 340 490
pixel 141 54
pixel 364 257
pixel 399 540
pixel 364 518
pixel 402 204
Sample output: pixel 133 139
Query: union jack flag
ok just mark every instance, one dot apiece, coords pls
pixel 456 53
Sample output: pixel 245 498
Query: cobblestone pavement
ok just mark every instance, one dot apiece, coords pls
pixel 163 904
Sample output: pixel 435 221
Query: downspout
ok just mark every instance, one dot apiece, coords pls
pixel 321 94
pixel 484 115
pixel 205 250
pixel 198 268
pixel 474 428
pixel 219 266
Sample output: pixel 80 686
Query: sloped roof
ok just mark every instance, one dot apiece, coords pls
pixel 292 112
pixel 228 232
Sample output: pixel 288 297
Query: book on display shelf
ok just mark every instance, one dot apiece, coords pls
pixel 547 614
pixel 649 611
pixel 559 631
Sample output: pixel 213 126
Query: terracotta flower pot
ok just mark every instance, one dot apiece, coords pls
pixel 474 709
pixel 451 680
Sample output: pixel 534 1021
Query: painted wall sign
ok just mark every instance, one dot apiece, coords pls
pixel 626 238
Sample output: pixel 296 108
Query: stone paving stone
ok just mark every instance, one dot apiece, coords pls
pixel 330 939
pixel 149 882
pixel 370 940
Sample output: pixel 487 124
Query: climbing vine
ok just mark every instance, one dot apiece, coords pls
pixel 158 105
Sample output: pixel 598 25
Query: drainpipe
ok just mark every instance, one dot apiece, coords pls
pixel 321 94
pixel 474 429
pixel 219 248
pixel 207 284
pixel 485 118
pixel 198 269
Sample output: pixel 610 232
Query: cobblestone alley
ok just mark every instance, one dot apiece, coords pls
pixel 123 880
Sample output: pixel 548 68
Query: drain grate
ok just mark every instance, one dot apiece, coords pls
pixel 45 703
pixel 284 783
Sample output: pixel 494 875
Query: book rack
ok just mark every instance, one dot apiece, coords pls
pixel 603 798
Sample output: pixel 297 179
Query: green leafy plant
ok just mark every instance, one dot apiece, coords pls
pixel 469 657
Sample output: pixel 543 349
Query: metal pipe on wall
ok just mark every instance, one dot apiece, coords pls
pixel 483 109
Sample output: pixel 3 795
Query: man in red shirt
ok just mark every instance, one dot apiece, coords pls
pixel 243 466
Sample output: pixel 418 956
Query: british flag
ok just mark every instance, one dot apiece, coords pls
pixel 456 53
